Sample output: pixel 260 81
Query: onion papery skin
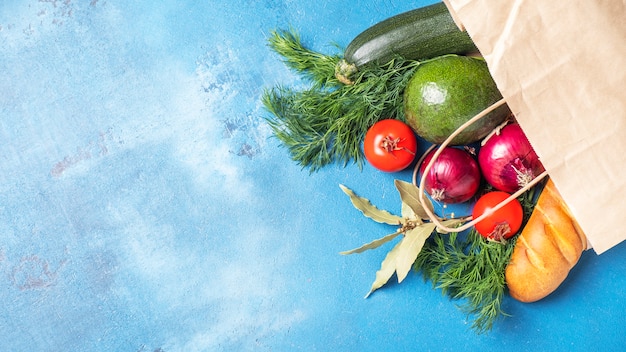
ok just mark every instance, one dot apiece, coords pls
pixel 508 161
pixel 453 178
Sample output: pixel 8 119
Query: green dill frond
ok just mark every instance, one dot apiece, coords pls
pixel 471 270
pixel 316 67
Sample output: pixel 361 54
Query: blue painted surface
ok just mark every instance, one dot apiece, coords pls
pixel 144 205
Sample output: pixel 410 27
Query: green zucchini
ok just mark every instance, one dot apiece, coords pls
pixel 419 34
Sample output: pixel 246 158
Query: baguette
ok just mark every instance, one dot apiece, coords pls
pixel 547 249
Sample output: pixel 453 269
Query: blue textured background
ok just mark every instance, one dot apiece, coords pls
pixel 144 205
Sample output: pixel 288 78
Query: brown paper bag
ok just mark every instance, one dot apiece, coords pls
pixel 561 67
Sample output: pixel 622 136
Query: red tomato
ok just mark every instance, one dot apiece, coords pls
pixel 390 145
pixel 504 222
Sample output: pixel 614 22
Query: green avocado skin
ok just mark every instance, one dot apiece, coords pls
pixel 446 92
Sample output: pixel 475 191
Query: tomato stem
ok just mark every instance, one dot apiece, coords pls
pixel 390 145
pixel 499 233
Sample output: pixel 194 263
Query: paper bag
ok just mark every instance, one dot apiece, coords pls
pixel 561 67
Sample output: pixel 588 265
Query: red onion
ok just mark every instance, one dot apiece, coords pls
pixel 508 161
pixel 454 176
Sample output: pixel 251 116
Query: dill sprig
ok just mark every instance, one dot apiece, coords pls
pixel 468 267
pixel 326 122
pixel 314 66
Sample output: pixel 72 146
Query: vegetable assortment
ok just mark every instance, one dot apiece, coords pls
pixel 356 108
pixel 326 122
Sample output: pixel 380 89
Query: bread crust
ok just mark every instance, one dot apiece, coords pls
pixel 547 249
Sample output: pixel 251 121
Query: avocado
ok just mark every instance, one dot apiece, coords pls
pixel 446 92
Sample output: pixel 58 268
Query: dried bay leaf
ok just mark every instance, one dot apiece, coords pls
pixel 415 231
pixel 387 268
pixel 410 246
pixel 374 244
pixel 369 210
pixel 408 213
pixel 409 193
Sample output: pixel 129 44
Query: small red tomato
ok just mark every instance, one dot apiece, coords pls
pixel 501 224
pixel 390 145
